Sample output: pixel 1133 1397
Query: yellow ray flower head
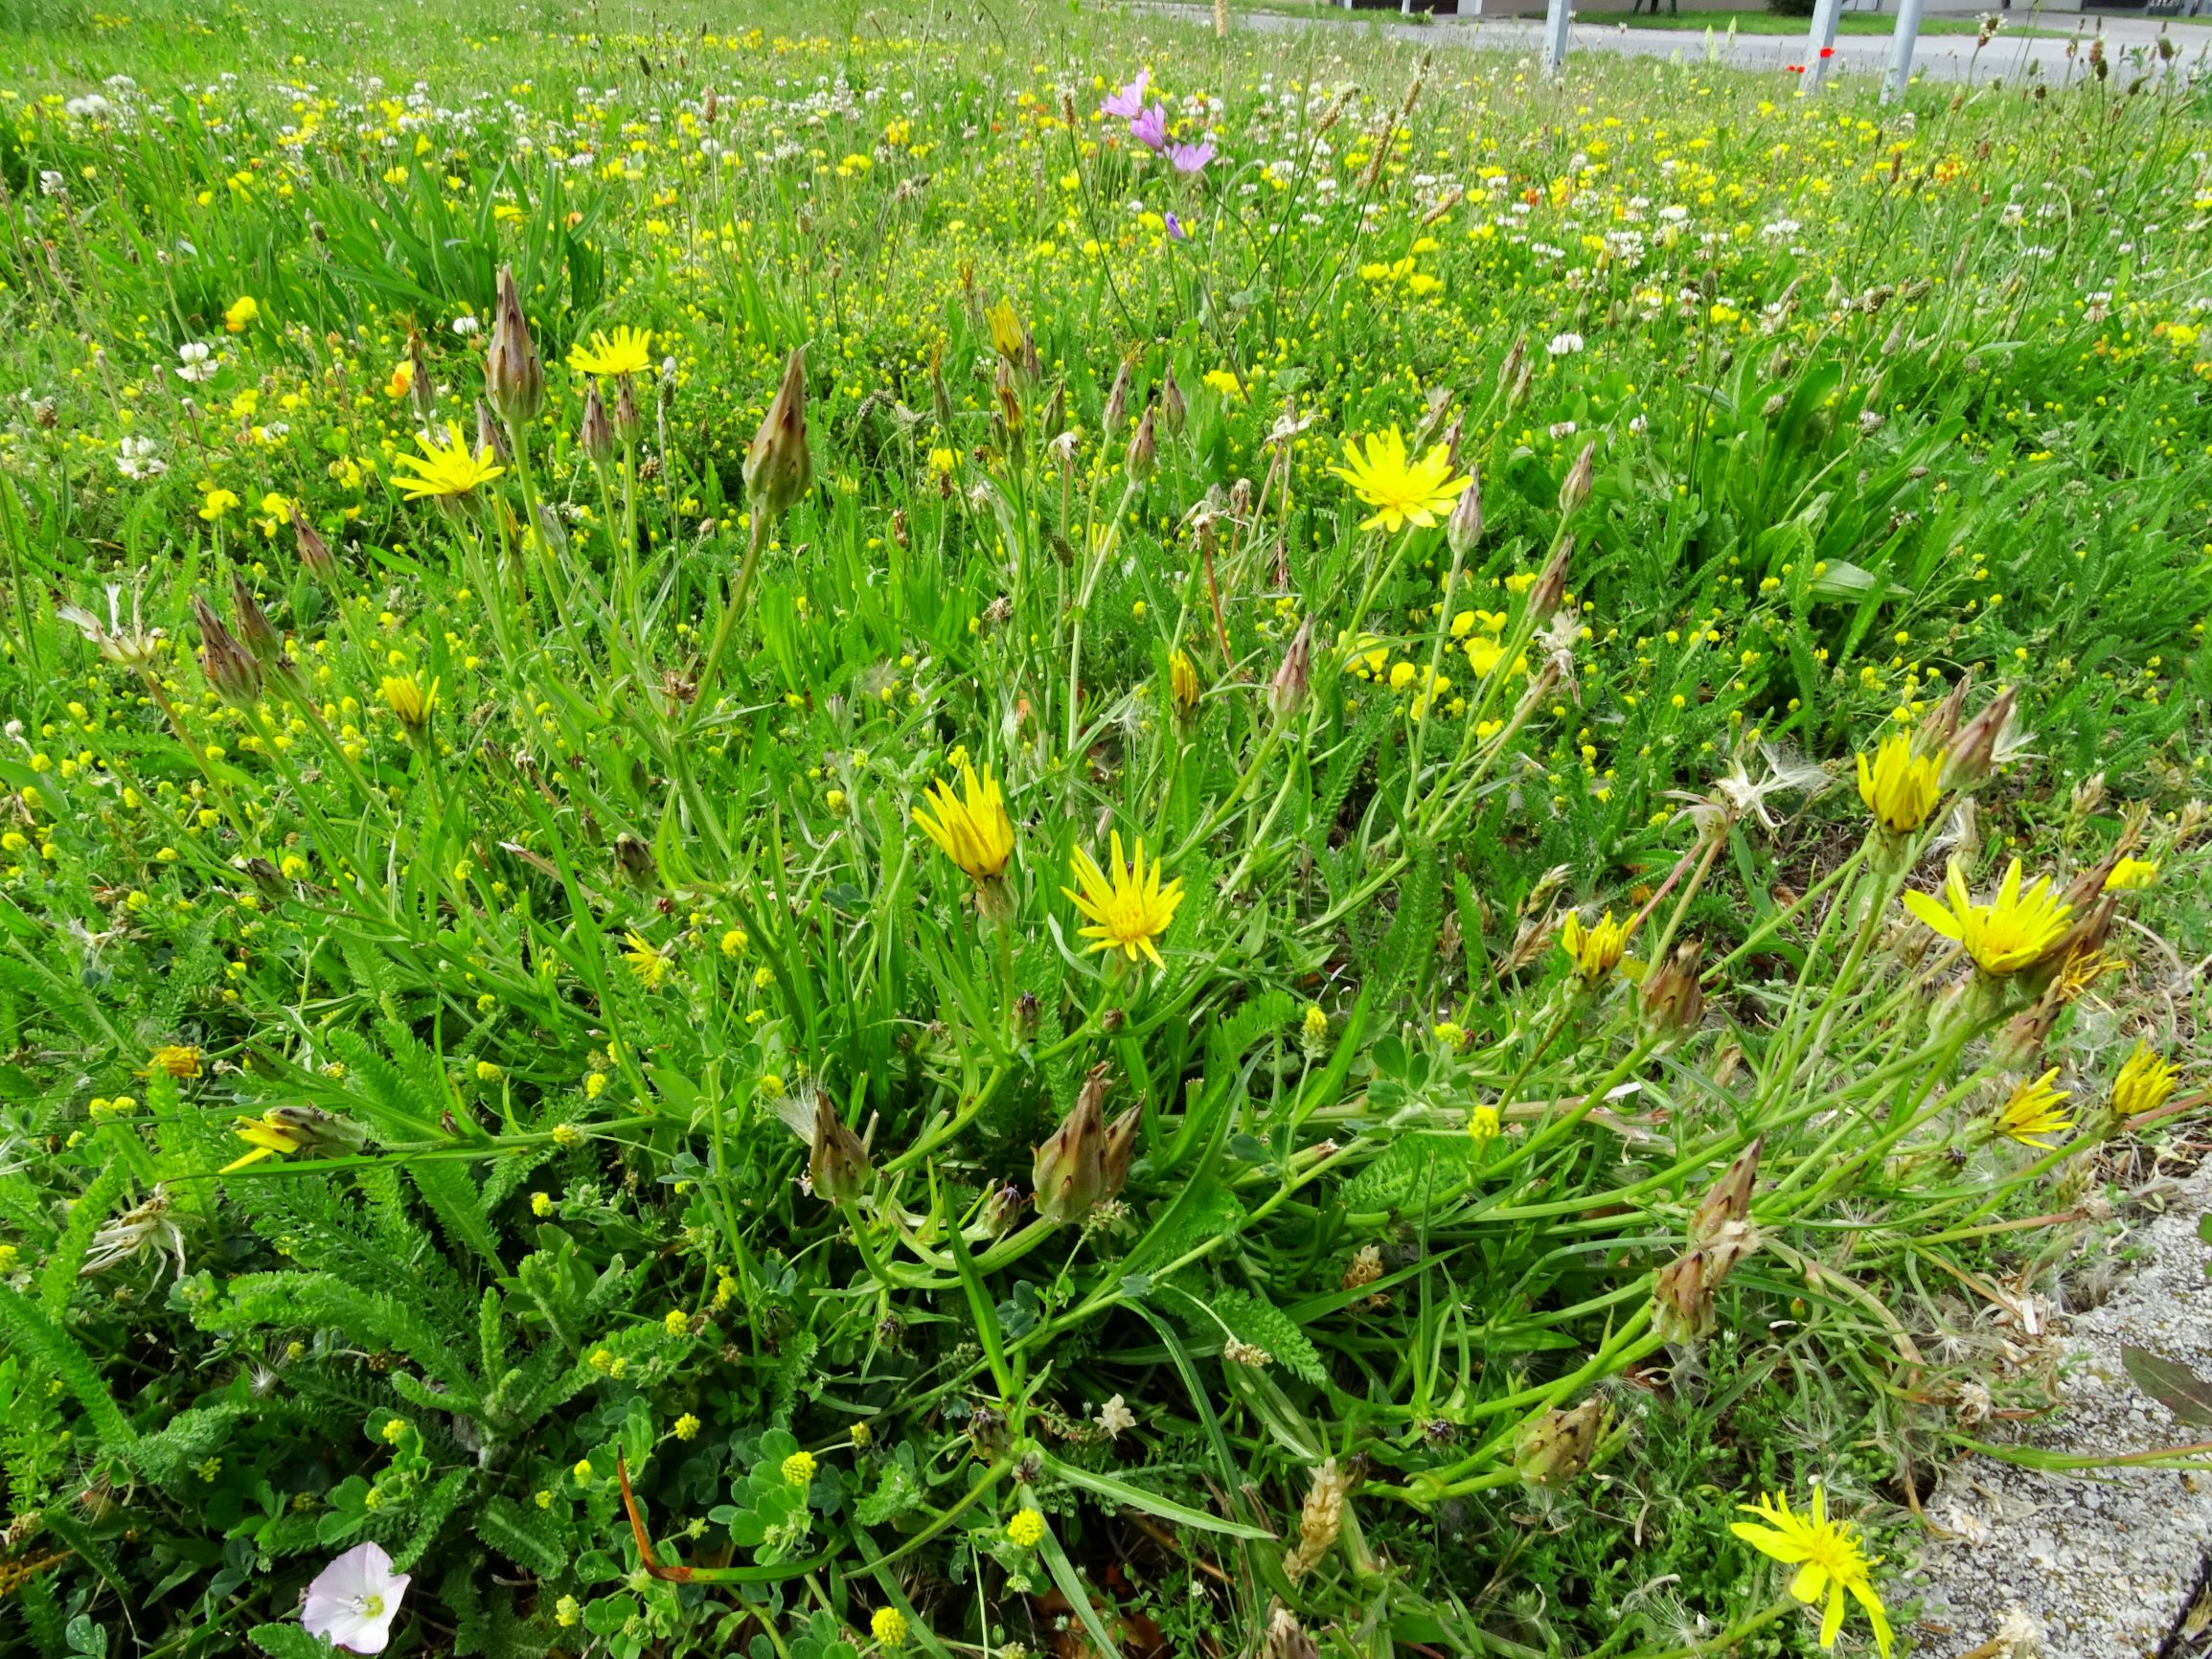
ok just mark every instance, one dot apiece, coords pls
pixel 1900 788
pixel 1595 951
pixel 975 832
pixel 1183 682
pixel 1827 1556
pixel 2131 876
pixel 627 351
pixel 2004 937
pixel 2143 1084
pixel 2033 1111
pixel 446 471
pixel 1401 490
pixel 179 1060
pixel 405 697
pixel 645 961
pixel 268 1135
pixel 1128 909
pixel 1005 327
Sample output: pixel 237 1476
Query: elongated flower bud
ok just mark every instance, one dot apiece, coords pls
pixel 255 631
pixel 1287 691
pixel 514 375
pixel 837 1166
pixel 778 469
pixel 420 391
pixel 1934 734
pixel 1174 411
pixel 229 668
pixel 1464 528
pixel 1069 1169
pixel 1730 1198
pixel 940 397
pixel 1673 1001
pixel 596 436
pixel 489 434
pixel 316 555
pixel 1558 1444
pixel 1551 586
pixel 1575 487
pixel 1975 754
pixel 1143 457
pixel 628 422
pixel 1121 1150
pixel 1682 1300
pixel 1117 403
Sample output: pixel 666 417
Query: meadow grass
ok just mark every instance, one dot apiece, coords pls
pixel 809 852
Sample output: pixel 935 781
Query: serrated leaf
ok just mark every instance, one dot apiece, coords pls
pixel 2176 1386
pixel 1260 1324
pixel 523 1536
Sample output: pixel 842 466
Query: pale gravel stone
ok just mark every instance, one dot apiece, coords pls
pixel 2103 1561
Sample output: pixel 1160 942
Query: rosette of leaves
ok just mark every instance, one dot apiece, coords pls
pixel 768 1513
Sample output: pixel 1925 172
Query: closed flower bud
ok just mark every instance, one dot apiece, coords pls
pixel 1053 420
pixel 419 390
pixel 1575 488
pixel 1516 393
pixel 314 551
pixel 1287 691
pixel 1979 740
pixel 778 469
pixel 1551 585
pixel 940 397
pixel 1174 411
pixel 1117 403
pixel 1558 1446
pixel 596 436
pixel 1509 371
pixel 1009 413
pixel 1934 734
pixel 629 423
pixel 2016 1046
pixel 514 375
pixel 1121 1150
pixel 1673 1001
pixel 1069 1169
pixel 1728 1201
pixel 1287 1640
pixel 255 631
pixel 1144 452
pixel 489 434
pixel 229 666
pixel 1464 528
pixel 837 1166
pixel 1682 1301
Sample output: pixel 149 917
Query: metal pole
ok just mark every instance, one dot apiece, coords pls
pixel 1555 36
pixel 1900 44
pixel 1821 40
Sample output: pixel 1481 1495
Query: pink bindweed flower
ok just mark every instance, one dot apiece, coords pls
pixel 353 1600
pixel 1191 158
pixel 1130 101
pixel 1150 127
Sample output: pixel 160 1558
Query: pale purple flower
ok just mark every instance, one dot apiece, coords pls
pixel 353 1601
pixel 1191 158
pixel 1131 98
pixel 1150 127
pixel 1175 231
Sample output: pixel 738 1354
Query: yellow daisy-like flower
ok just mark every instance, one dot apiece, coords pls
pixel 974 832
pixel 1183 682
pixel 1900 788
pixel 2143 1084
pixel 1827 1556
pixel 446 471
pixel 2002 938
pixel 405 697
pixel 645 961
pixel 2033 1111
pixel 1401 490
pixel 268 1135
pixel 180 1060
pixel 627 351
pixel 1005 329
pixel 1596 951
pixel 1129 909
pixel 2131 876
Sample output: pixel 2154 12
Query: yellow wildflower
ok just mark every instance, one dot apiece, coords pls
pixel 1828 1561
pixel 1900 788
pixel 2003 937
pixel 1129 910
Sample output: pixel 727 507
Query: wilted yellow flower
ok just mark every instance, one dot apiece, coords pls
pixel 1900 788
pixel 1129 909
pixel 2133 875
pixel 975 832
pixel 1596 951
pixel 179 1060
pixel 405 697
pixel 2143 1084
pixel 268 1135
pixel 444 472
pixel 1827 1556
pixel 2004 937
pixel 645 961
pixel 627 351
pixel 1401 491
pixel 2034 1110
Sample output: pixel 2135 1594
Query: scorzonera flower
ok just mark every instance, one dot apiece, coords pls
pixel 2034 1110
pixel 2014 932
pixel 1128 909
pixel 1828 1557
pixel 627 351
pixel 1401 490
pixel 444 472
pixel 1900 787
pixel 1595 951
pixel 2143 1084
pixel 974 832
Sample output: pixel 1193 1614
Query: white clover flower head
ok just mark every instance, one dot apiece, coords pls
pixel 1565 345
pixel 196 362
pixel 353 1601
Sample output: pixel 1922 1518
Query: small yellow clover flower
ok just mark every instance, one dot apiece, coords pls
pixel 1026 1528
pixel 889 1627
pixel 799 1468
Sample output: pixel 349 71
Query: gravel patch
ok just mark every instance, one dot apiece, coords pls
pixel 2099 1566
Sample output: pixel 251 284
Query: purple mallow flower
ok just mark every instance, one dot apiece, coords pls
pixel 1150 127
pixel 1191 158
pixel 1131 98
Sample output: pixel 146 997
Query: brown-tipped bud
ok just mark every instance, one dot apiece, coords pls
pixel 778 469
pixel 490 434
pixel 1453 436
pixel 255 632
pixel 1558 1446
pixel 629 423
pixel 1117 403
pixel 1287 691
pixel 229 666
pixel 1934 733
pixel 596 436
pixel 1174 411
pixel 2022 1039
pixel 513 377
pixel 1682 1300
pixel 1673 1001
pixel 1054 418
pixel 633 860
pixel 838 1165
pixel 1575 487
pixel 1009 396
pixel 1003 1208
pixel 1121 1150
pixel 1026 1013
pixel 1728 1201
pixel 1032 365
pixel 1516 393
pixel 1143 457
pixel 1551 584
pixel 316 555
pixel 1975 754
pixel 1069 1169
pixel 421 392
pixel 1509 371
pixel 709 107
pixel 1464 528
